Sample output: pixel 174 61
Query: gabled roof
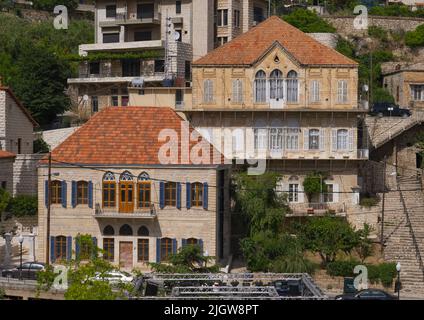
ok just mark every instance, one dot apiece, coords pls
pixel 249 47
pixel 6 154
pixel 20 105
pixel 125 136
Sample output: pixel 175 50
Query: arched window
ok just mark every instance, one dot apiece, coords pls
pixel 108 231
pixel 125 230
pixel 260 86
pixel 126 176
pixel 166 249
pixel 192 241
pixel 82 192
pixel 56 187
pixel 109 190
pixel 313 139
pixel 60 247
pixel 292 86
pixel 208 91
pixel 197 194
pixel 342 139
pixel 276 85
pixel 143 231
pixel 144 190
pixel 170 194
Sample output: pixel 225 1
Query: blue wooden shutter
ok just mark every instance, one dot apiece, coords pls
pixel 94 251
pixel 46 192
pixel 157 250
pixel 74 194
pixel 52 250
pixel 188 195
pixel 64 193
pixel 68 248
pixel 183 242
pixel 205 196
pixel 201 245
pixel 178 195
pixel 90 194
pixel 174 246
pixel 77 247
pixel 162 195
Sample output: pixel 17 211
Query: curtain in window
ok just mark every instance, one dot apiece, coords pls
pixel 292 86
pixel 260 86
pixel 276 83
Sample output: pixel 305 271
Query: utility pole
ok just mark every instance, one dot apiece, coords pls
pixel 49 201
pixel 382 205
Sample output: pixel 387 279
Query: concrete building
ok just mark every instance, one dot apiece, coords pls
pixel 16 137
pixel 405 82
pixel 118 182
pixel 146 46
pixel 289 100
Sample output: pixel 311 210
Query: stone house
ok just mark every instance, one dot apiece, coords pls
pixel 114 179
pixel 16 136
pixel 405 82
pixel 290 101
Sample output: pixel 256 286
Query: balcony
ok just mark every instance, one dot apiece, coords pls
pixel 317 209
pixel 101 212
pixel 132 18
pixel 84 49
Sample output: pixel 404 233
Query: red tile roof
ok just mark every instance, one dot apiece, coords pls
pixel 249 47
pixel 6 154
pixel 124 136
pixel 20 105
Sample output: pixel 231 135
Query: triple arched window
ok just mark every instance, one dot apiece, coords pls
pixel 276 86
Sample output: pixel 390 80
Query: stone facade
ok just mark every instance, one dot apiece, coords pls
pixel 169 222
pixel 345 27
pixel 25 173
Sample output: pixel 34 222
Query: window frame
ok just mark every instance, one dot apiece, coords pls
pixel 315 91
pixel 60 246
pixel 108 7
pixel 208 91
pixel 328 197
pixel 260 87
pixel 237 92
pixel 314 133
pixel 109 249
pixel 342 91
pixel 293 193
pixel 342 141
pixel 144 201
pixel 170 197
pixel 56 190
pixel 143 250
pixel 109 186
pixel 196 194
pixel 166 248
pixel 82 192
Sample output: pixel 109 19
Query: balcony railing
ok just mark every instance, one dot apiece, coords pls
pixel 102 212
pixel 317 208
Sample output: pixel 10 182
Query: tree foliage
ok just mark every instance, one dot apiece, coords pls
pixel 33 62
pixel 50 4
pixel 308 21
pixel 415 38
pixel 314 184
pixel 328 236
pixel 23 205
pixel 188 259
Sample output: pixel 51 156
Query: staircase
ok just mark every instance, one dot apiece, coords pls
pixel 404 232
pixel 382 130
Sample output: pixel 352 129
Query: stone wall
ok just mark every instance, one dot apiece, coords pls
pixel 6 173
pixel 25 173
pixel 344 25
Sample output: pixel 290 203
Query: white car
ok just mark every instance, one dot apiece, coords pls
pixel 115 277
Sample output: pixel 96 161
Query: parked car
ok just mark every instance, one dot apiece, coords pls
pixel 29 270
pixel 367 294
pixel 115 277
pixel 388 109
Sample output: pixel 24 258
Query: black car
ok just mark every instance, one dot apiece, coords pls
pixel 29 271
pixel 387 109
pixel 367 294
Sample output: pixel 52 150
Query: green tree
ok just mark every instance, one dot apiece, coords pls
pixel 188 259
pixel 40 146
pixel 308 21
pixel 328 236
pixel 364 245
pixel 50 4
pixel 313 184
pixel 23 205
pixel 415 38
pixel 4 202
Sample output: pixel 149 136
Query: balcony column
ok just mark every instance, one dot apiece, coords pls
pixel 122 34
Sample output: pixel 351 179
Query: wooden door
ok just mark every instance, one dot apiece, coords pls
pixel 126 197
pixel 126 254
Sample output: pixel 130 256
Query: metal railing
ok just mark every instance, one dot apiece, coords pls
pixel 137 212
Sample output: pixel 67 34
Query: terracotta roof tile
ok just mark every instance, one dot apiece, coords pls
pixel 247 48
pixel 123 136
pixel 6 154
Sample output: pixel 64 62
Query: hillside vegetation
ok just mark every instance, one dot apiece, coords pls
pixel 33 61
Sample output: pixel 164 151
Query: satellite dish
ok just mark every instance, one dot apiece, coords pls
pixel 177 35
pixel 85 97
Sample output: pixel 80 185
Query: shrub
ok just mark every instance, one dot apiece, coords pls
pixel 378 33
pixel 342 268
pixel 369 202
pixel 23 205
pixel 314 184
pixel 415 38
pixel 387 272
pixel 40 146
pixel 308 21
